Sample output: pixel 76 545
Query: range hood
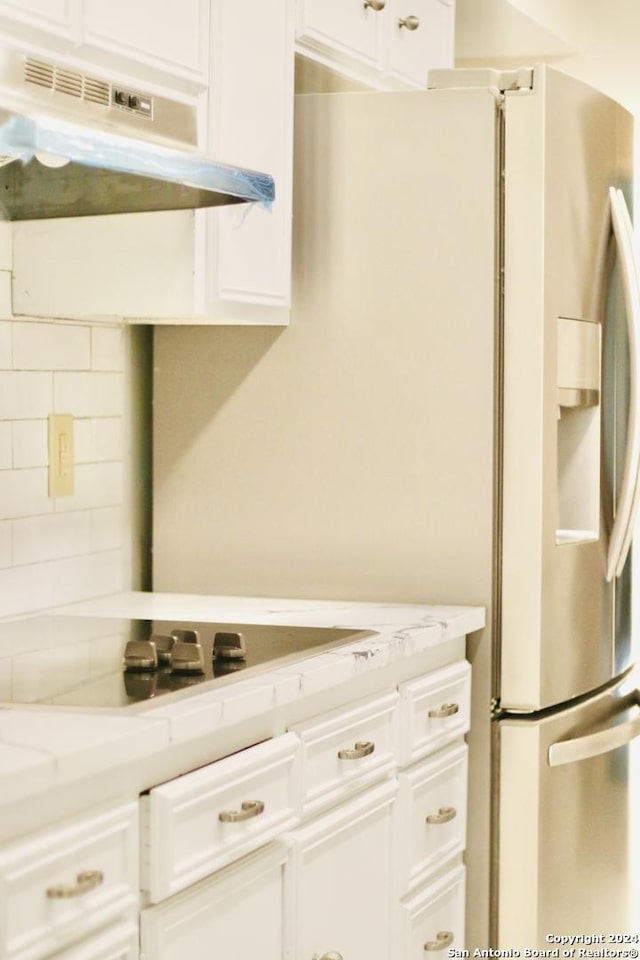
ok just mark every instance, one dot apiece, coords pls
pixel 74 145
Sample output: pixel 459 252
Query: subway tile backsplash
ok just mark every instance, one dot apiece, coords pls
pixel 61 550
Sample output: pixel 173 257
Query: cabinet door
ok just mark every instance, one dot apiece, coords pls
pixel 59 18
pixel 421 39
pixel 235 915
pixel 245 276
pixel 349 29
pixel 171 37
pixel 341 896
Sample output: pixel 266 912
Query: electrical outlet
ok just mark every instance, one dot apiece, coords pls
pixel 61 455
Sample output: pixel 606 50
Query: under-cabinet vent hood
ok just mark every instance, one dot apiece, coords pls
pixel 76 145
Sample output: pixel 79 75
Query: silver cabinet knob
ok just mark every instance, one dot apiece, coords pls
pixel 248 810
pixel 361 748
pixel 444 815
pixel 85 881
pixel 376 5
pixel 332 955
pixel 409 23
pixel 445 710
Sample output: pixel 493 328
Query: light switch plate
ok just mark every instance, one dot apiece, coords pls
pixel 61 455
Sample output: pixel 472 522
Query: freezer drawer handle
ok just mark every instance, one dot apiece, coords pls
pixel 594 744
pixel 444 815
pixel 361 748
pixel 85 881
pixel 248 810
pixel 446 710
pixel 443 939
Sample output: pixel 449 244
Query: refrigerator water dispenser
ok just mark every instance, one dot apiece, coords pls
pixel 578 451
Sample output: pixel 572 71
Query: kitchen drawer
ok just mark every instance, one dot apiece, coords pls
pixel 202 821
pixel 347 749
pixel 434 710
pixel 120 942
pixel 431 815
pixel 432 922
pixel 61 884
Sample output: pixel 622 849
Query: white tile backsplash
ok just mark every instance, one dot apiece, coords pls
pixel 57 551
pixel 5 543
pixel 58 535
pixel 6 442
pixel 5 345
pixel 25 395
pixel 30 443
pixel 46 346
pixel 107 348
pixel 89 394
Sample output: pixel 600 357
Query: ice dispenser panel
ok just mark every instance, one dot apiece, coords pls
pixel 578 454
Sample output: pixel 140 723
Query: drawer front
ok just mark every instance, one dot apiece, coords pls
pixel 432 808
pixel 61 884
pixel 198 823
pixel 432 925
pixel 347 749
pixel 434 711
pixel 120 942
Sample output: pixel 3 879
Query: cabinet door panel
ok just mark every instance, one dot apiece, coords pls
pixel 413 53
pixel 60 18
pixel 343 26
pixel 235 915
pixel 342 891
pixel 171 37
pixel 247 273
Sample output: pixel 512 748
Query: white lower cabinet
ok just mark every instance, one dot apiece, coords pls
pixel 118 942
pixel 341 838
pixel 342 897
pixel 236 914
pixel 63 884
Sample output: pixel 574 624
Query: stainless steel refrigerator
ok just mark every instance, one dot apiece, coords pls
pixel 451 417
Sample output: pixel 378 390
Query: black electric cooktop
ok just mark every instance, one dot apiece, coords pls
pixel 101 662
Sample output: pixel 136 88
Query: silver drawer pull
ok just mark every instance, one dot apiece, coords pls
pixel 332 955
pixel 410 23
pixel 443 939
pixel 376 5
pixel 248 809
pixel 446 710
pixel 85 881
pixel 444 815
pixel 361 748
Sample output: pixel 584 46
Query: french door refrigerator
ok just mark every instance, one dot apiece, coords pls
pixel 452 416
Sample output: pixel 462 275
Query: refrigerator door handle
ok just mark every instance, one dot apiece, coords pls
pixel 595 744
pixel 629 497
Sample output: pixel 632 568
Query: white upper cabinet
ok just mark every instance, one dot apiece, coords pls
pixel 170 37
pixel 168 42
pixel 381 43
pixel 57 18
pixel 225 265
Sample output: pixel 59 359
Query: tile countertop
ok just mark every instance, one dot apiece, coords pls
pixel 43 748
